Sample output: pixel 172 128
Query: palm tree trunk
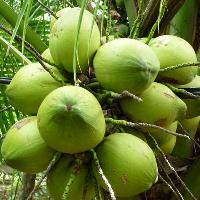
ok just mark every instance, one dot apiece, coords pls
pixel 28 183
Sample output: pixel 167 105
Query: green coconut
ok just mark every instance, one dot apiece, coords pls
pixel 125 64
pixel 136 133
pixel 58 178
pixel 58 14
pixel 128 163
pixel 47 55
pixel 160 106
pixel 193 105
pixel 30 85
pixel 164 140
pixel 172 50
pixel 62 39
pixel 24 149
pixel 70 120
pixel 184 147
pixel 195 83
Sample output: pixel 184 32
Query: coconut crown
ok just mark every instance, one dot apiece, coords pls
pixel 47 55
pixel 24 149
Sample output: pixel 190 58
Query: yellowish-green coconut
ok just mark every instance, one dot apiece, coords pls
pixel 193 105
pixel 30 85
pixel 24 149
pixel 58 14
pixel 172 50
pixel 70 120
pixel 160 106
pixel 62 40
pixel 128 163
pixel 125 64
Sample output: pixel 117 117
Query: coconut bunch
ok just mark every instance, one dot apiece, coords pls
pixel 103 134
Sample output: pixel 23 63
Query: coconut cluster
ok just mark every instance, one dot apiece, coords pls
pixel 72 119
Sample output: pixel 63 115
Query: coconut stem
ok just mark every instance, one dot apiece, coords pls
pixel 168 185
pixel 182 91
pixel 108 25
pixel 34 52
pixel 51 164
pixel 93 85
pixel 136 25
pixel 98 167
pixel 171 167
pixel 171 182
pixel 6 108
pixel 110 94
pixel 180 66
pixel 143 125
pixel 163 7
pixel 28 182
pixel 123 95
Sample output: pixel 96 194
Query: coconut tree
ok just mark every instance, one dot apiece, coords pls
pixel 25 28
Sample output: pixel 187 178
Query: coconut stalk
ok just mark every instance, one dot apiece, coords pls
pixel 100 171
pixel 143 126
pixel 28 183
pixel 11 17
pixel 172 169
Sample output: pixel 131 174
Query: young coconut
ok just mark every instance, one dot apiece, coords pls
pixel 125 64
pixel 59 176
pixel 58 14
pixel 30 85
pixel 128 163
pixel 193 105
pixel 62 40
pixel 160 106
pixel 24 149
pixel 164 140
pixel 172 50
pixel 184 147
pixel 70 120
pixel 47 55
